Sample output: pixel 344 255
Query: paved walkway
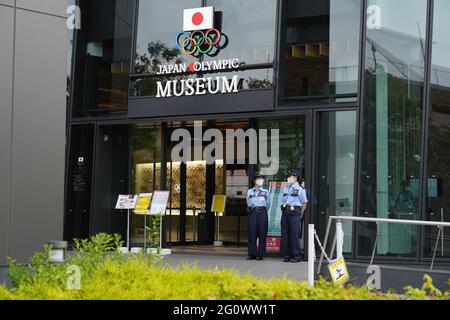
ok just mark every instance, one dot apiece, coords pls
pixel 268 268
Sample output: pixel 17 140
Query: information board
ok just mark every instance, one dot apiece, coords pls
pixel 143 203
pixel 126 202
pixel 159 202
pixel 218 204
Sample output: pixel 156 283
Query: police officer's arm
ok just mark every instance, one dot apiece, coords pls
pixel 268 199
pixel 304 201
pixel 304 206
pixel 248 198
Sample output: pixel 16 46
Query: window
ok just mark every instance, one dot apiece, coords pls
pixel 438 133
pixel 158 23
pixel 322 50
pixel 103 55
pixel 335 178
pixel 250 28
pixel 247 30
pixel 146 171
pixel 391 147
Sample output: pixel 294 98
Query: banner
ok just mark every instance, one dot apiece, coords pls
pixel 276 189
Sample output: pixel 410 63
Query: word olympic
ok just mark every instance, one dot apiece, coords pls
pixel 203 66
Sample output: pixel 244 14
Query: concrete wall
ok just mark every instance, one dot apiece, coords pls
pixel 33 67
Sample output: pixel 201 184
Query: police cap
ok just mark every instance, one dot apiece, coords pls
pixel 293 172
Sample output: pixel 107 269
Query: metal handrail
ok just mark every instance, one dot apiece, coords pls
pixel 379 221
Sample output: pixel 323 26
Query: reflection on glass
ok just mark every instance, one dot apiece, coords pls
pixel 392 124
pixel 146 171
pixel 336 170
pixel 247 26
pixel 292 144
pixel 250 28
pixel 158 23
pixel 439 133
pixel 103 55
pixel 322 49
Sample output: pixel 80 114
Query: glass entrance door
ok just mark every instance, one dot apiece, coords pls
pixel 193 183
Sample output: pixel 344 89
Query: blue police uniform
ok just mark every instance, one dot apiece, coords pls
pixel 258 202
pixel 294 197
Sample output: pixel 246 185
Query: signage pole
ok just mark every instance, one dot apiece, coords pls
pixel 145 233
pixel 128 230
pixel 160 232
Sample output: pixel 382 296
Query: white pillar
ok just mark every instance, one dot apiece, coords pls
pixel 339 240
pixel 311 255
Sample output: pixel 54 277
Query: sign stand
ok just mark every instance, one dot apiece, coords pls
pixel 142 206
pixel 145 234
pixel 218 207
pixel 128 229
pixel 218 242
pixel 126 202
pixel 158 208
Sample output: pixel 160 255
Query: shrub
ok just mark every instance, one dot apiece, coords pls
pixel 136 279
pixel 108 274
pixel 427 292
pixel 88 255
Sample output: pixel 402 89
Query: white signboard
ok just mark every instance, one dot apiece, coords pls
pixel 126 202
pixel 159 202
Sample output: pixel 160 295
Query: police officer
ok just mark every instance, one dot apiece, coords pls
pixel 258 204
pixel 293 207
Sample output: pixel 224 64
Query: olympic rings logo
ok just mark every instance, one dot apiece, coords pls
pixel 198 42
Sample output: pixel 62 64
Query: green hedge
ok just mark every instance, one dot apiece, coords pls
pixel 107 274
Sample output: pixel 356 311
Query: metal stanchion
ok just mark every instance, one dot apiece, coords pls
pixel 339 240
pixel 311 255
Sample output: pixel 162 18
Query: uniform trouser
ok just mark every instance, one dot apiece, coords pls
pixel 290 228
pixel 257 229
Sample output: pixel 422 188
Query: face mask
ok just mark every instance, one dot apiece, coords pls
pixel 291 180
pixel 259 182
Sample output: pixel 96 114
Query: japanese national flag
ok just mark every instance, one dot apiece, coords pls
pixel 198 19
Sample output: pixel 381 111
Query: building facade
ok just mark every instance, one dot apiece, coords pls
pixel 357 89
pixel 33 72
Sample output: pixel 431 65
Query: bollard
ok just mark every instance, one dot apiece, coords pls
pixel 339 240
pixel 311 255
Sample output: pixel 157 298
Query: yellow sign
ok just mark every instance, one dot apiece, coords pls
pixel 338 271
pixel 143 202
pixel 218 204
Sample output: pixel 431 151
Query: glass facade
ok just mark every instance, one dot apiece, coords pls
pixel 322 49
pixel 393 108
pixel 438 197
pixel 145 172
pixel 103 56
pixel 336 171
pixel 247 30
pixel 364 114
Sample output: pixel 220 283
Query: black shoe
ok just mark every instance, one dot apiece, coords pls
pixel 259 258
pixel 287 259
pixel 296 260
pixel 251 258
